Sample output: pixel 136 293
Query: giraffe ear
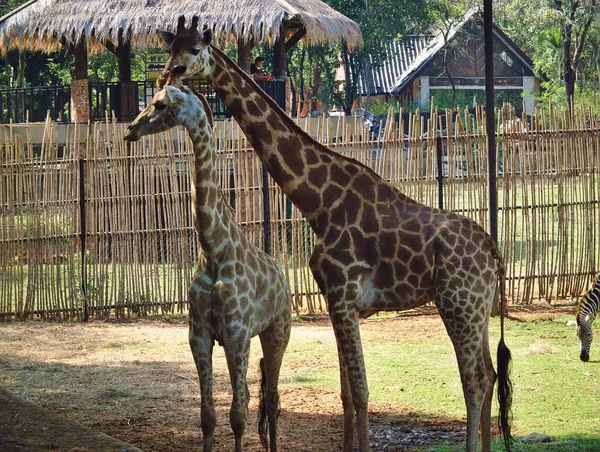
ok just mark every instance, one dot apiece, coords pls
pixel 206 37
pixel 175 95
pixel 207 109
pixel 167 37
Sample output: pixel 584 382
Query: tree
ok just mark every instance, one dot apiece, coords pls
pixel 558 34
pixel 380 21
pixel 312 71
pixel 446 15
pixel 575 18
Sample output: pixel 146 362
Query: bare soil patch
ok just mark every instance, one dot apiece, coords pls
pixel 136 381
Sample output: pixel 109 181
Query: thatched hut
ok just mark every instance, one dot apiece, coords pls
pixel 94 25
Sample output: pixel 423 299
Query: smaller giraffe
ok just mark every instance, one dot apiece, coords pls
pixel 238 291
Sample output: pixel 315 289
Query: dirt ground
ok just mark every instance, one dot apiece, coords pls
pixel 136 381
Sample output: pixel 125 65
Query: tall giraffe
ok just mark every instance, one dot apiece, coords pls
pixel 237 291
pixel 376 249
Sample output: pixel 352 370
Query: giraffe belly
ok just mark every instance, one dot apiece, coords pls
pixel 400 296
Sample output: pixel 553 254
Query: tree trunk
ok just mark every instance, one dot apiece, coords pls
pixel 352 70
pixel 568 71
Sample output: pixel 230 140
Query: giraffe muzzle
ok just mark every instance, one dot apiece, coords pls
pixel 179 69
pixel 130 135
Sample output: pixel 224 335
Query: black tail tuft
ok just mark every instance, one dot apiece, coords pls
pixel 505 390
pixel 263 419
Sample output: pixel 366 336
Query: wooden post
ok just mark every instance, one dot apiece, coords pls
pixel 123 97
pixel 82 236
pixel 279 64
pixel 124 57
pixel 80 96
pixel 244 48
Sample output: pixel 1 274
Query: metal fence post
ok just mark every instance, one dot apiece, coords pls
pixel 440 171
pixel 266 211
pixel 489 117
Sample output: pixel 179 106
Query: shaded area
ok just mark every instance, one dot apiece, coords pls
pixel 28 427
pixel 136 381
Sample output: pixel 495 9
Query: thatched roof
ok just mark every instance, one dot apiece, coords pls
pixel 40 24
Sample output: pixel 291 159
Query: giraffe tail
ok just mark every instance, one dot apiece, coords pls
pixel 505 387
pixel 263 418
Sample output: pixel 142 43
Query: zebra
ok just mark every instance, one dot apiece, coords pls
pixel 587 308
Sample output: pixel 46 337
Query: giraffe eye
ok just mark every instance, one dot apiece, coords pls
pixel 194 50
pixel 159 106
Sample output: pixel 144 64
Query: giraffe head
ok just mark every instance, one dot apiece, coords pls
pixel 188 49
pixel 170 107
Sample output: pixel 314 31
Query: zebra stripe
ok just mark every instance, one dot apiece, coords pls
pixel 587 309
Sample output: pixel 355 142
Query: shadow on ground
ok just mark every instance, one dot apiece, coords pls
pixel 28 427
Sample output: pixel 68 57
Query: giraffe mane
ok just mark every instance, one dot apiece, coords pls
pixel 288 121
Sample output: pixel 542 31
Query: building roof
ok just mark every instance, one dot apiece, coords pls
pixel 408 56
pixel 438 42
pixel 40 24
pixel 399 56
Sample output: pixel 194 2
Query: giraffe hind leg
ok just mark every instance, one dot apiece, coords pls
pixel 486 412
pixel 237 353
pixel 274 341
pixel 478 391
pixel 474 363
pixel 355 392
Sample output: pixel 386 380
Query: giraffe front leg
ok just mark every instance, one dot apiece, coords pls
pixel 202 347
pixel 237 351
pixel 353 377
pixel 347 404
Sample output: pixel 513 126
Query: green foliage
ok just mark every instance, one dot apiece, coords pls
pixel 539 27
pixel 7 6
pixel 312 70
pixel 471 97
pixel 381 108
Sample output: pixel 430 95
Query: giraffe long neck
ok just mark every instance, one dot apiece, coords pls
pixel 213 220
pixel 313 177
pixel 297 163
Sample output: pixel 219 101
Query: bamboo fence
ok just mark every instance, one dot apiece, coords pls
pixel 97 227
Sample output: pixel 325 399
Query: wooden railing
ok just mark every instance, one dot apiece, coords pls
pixel 94 226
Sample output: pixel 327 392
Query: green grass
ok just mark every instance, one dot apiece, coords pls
pixel 554 392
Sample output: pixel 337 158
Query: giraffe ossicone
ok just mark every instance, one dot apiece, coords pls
pixel 376 249
pixel 237 290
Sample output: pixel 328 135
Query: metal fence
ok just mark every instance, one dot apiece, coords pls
pixel 34 104
pixel 98 227
pixel 106 99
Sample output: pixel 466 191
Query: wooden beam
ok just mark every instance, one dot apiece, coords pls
pixel 110 46
pixel 295 38
pixel 123 53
